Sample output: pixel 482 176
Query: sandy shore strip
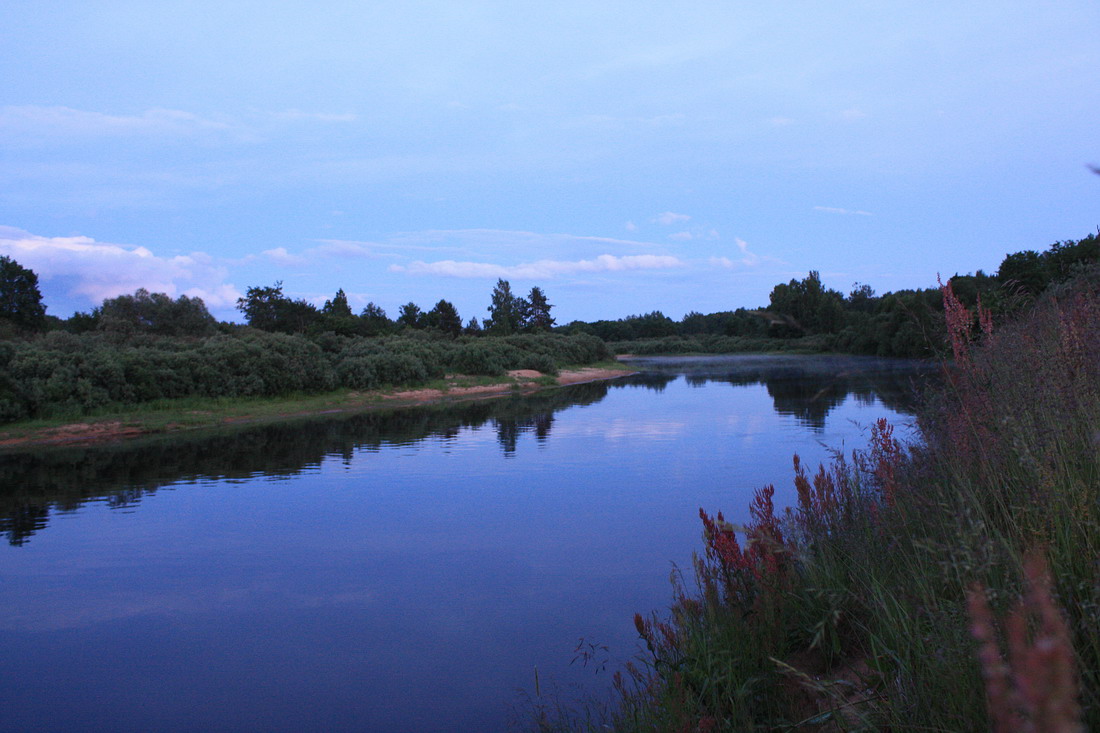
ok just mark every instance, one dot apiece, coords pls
pixel 106 430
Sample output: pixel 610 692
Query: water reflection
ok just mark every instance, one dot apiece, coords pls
pixel 63 479
pixel 807 388
pixel 37 484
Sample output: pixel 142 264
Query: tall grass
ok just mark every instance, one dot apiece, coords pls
pixel 951 585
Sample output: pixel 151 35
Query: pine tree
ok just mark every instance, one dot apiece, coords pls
pixel 538 311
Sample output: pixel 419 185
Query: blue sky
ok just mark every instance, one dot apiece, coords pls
pixel 623 156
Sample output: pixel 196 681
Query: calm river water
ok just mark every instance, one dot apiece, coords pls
pixel 392 571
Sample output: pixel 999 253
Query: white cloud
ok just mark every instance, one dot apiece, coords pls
pixel 280 255
pixel 851 115
pixel 781 121
pixel 630 226
pixel 541 268
pixel 670 217
pixel 297 114
pixel 367 250
pixel 98 270
pixel 472 243
pixel 695 233
pixel 747 258
pixel 834 210
pixel 36 121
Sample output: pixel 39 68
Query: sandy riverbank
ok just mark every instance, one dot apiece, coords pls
pixel 456 389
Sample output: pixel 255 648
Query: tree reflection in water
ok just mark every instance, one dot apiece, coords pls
pixel 36 484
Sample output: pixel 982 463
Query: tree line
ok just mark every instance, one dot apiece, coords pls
pixel 148 346
pixel 144 347
pixel 804 314
pixel 268 309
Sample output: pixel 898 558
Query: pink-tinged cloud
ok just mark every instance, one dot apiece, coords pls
pixel 99 270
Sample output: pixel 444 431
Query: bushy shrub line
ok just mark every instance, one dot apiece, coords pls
pixel 65 374
pixel 886 598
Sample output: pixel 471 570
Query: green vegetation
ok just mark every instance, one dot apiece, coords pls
pixel 803 315
pixel 69 375
pixel 882 601
pixel 21 308
pixel 147 348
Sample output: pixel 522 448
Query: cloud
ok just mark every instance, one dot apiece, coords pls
pixel 696 233
pixel 297 114
pixel 851 115
pixel 369 250
pixel 346 248
pixel 747 258
pixel 670 217
pixel 630 226
pixel 98 270
pixel 780 121
pixel 36 121
pixel 850 212
pixel 280 255
pixel 541 268
pixel 473 243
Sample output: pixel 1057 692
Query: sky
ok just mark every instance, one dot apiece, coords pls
pixel 625 157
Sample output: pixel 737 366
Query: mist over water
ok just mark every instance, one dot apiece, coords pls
pixel 393 570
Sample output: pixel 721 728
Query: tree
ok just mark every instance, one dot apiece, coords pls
pixel 81 322
pixel 473 328
pixel 444 316
pixel 862 298
pixel 337 316
pixel 1025 270
pixel 809 306
pixel 20 300
pixel 538 316
pixel 338 306
pixel 504 317
pixel 269 310
pixel 156 313
pixel 373 321
pixel 410 316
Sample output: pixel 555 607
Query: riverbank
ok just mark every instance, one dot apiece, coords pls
pixel 950 585
pixel 186 415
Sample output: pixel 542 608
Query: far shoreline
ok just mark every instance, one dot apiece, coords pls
pixel 126 425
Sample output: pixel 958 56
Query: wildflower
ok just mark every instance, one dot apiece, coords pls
pixel 886 455
pixel 959 322
pixel 1036 689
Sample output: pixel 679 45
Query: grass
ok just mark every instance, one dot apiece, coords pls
pixel 951 585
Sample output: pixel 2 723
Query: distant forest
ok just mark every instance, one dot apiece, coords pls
pixel 805 315
pixel 146 347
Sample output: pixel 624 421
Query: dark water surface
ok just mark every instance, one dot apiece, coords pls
pixel 392 571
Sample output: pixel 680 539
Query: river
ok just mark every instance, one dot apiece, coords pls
pixel 400 570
